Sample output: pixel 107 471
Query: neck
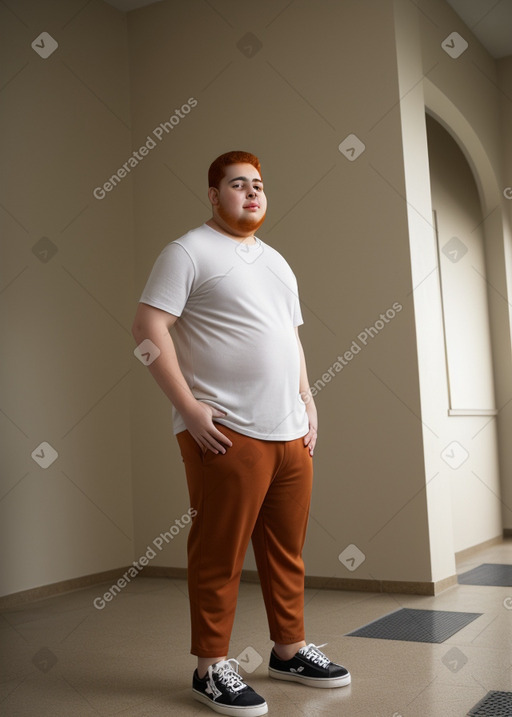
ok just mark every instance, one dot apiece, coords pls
pixel 224 229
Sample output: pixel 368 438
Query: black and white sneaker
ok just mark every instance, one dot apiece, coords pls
pixel 225 691
pixel 309 666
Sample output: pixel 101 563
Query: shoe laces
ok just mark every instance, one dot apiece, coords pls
pixel 313 653
pixel 227 674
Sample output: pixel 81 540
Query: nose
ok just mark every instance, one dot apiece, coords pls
pixel 251 192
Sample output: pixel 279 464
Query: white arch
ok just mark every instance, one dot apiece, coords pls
pixel 444 111
pixel 498 238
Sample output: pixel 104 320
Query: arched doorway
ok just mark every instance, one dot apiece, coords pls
pixel 459 225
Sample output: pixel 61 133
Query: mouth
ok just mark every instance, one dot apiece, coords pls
pixel 252 206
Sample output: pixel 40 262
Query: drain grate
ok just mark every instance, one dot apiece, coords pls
pixel 494 704
pixel 417 625
pixel 488 574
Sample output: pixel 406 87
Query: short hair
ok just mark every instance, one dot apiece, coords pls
pixel 218 166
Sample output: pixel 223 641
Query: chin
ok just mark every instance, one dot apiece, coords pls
pixel 241 225
pixel 249 225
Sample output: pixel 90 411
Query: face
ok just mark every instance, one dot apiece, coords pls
pixel 240 203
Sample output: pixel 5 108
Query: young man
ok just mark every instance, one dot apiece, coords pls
pixel 246 425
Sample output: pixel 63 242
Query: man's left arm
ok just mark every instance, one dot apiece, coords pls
pixel 305 392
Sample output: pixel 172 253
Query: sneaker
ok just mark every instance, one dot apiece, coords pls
pixel 309 666
pixel 224 690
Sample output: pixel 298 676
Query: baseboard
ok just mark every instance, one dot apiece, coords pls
pixel 404 587
pixel 250 576
pixel 469 552
pixel 158 571
pixel 64 586
pixel 319 583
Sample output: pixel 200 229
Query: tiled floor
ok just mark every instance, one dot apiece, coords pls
pixel 63 657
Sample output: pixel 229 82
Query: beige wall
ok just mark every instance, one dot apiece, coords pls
pixel 463 94
pixel 503 268
pixel 351 230
pixel 66 348
pixel 341 225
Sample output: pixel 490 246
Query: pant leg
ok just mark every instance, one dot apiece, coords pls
pixel 278 540
pixel 227 491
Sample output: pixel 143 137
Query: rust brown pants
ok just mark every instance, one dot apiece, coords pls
pixel 260 490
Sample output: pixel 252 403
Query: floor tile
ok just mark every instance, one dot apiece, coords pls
pixel 64 657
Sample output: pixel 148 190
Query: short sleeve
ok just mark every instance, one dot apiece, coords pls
pixel 171 279
pixel 297 314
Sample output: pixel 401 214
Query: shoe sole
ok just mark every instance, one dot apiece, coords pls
pixel 323 682
pixel 249 711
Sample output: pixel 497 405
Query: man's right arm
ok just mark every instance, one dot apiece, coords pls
pixel 154 324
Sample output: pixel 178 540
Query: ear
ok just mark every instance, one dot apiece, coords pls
pixel 213 195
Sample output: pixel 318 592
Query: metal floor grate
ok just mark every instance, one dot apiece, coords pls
pixel 488 574
pixel 494 704
pixel 416 625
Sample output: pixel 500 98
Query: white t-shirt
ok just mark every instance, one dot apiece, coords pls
pixel 235 339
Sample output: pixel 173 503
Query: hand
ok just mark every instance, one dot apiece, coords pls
pixel 312 434
pixel 199 422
